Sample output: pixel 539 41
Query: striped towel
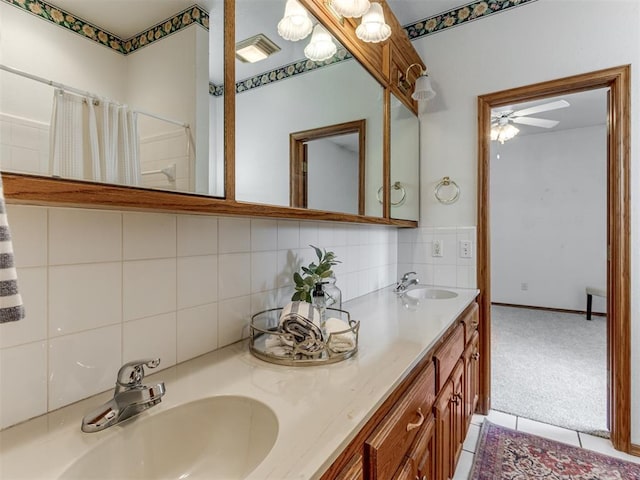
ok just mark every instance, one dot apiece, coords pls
pixel 11 308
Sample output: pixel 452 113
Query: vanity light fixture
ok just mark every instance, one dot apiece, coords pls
pixel 350 8
pixel 255 48
pixel 503 131
pixel 321 47
pixel 373 28
pixel 296 23
pixel 423 89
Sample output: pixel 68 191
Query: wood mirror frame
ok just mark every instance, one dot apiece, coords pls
pixel 376 58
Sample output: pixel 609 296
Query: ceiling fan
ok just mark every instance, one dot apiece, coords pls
pixel 501 121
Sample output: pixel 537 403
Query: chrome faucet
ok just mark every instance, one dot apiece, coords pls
pixel 130 397
pixel 405 282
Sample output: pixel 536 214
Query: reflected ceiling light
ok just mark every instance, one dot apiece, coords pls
pixel 423 89
pixel 255 49
pixel 296 23
pixel 373 28
pixel 321 46
pixel 350 8
pixel 503 131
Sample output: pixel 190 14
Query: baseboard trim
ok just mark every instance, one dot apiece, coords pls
pixel 548 309
pixel 635 450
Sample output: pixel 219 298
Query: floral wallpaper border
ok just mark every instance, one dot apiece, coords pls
pixel 64 19
pixel 459 16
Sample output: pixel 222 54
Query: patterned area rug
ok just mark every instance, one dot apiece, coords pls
pixel 506 454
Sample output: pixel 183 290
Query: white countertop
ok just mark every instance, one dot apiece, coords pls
pixel 319 409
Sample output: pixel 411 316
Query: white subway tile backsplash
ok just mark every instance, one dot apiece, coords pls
pixel 83 364
pixel 234 275
pixel 84 236
pixel 264 234
pixel 29 233
pixel 104 287
pixel 151 337
pixel 197 280
pixel 197 331
pixel 234 235
pixel 149 288
pixel 233 320
pixel 289 235
pixel 33 288
pixel 23 389
pixel 197 235
pixel 82 297
pixel 445 275
pixel 148 235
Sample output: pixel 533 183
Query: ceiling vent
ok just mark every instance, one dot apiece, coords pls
pixel 255 49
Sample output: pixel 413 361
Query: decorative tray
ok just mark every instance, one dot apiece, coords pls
pixel 269 343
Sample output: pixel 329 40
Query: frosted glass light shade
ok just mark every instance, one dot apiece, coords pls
pixel 351 8
pixel 296 23
pixel 373 28
pixel 503 132
pixel 321 46
pixel 423 89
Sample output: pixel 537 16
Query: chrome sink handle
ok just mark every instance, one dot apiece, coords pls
pixel 405 277
pixel 131 374
pixel 406 282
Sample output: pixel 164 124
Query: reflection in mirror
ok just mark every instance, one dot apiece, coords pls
pixel 328 168
pixel 112 91
pixel 286 93
pixel 405 162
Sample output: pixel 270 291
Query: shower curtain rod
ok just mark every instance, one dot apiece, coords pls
pixel 85 93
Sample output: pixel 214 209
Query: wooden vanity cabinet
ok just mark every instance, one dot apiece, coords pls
pixel 417 433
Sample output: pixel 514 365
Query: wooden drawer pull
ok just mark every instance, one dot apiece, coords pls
pixel 455 398
pixel 411 426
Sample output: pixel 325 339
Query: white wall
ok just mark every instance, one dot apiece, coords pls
pixel 549 218
pixel 539 41
pixel 105 287
pixel 332 177
pixel 265 117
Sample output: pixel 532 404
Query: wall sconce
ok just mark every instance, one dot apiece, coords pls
pixel 321 46
pixel 423 89
pixel 350 8
pixel 296 23
pixel 373 28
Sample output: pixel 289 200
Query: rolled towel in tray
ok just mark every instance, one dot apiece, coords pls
pixel 336 341
pixel 302 321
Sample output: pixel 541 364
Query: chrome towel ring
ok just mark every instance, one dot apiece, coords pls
pixel 395 186
pixel 447 182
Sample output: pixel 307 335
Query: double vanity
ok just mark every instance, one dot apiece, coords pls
pixel 229 415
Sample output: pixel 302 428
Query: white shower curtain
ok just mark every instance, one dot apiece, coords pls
pixel 94 141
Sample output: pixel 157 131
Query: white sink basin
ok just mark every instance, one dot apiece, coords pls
pixel 214 438
pixel 431 293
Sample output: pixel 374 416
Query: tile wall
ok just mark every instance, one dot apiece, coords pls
pixel 105 287
pixel 161 151
pixel 415 253
pixel 24 145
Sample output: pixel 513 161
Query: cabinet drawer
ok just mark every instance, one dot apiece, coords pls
pixel 470 320
pixel 448 354
pixel 391 440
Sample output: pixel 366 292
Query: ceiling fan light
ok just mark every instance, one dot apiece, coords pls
pixel 351 8
pixel 321 46
pixel 296 23
pixel 503 132
pixel 423 89
pixel 373 28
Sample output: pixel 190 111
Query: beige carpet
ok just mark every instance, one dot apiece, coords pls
pixel 550 367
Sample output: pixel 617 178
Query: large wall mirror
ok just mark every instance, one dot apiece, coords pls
pixel 136 97
pixel 288 92
pixel 405 162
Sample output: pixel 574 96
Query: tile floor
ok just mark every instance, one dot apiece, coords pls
pixel 552 432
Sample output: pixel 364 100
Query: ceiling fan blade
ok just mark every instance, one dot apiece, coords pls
pixel 535 122
pixel 545 107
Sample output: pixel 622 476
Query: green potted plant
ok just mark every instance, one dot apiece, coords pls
pixel 313 273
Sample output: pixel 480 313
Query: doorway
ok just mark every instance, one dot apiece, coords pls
pixel 618 230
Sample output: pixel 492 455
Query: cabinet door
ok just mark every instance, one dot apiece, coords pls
pixel 444 431
pixel 458 408
pixel 406 471
pixel 353 470
pixel 423 451
pixel 471 378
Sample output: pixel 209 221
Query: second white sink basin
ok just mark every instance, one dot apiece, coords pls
pixel 214 438
pixel 431 293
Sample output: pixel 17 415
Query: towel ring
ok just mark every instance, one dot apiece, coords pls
pixel 445 182
pixel 395 186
